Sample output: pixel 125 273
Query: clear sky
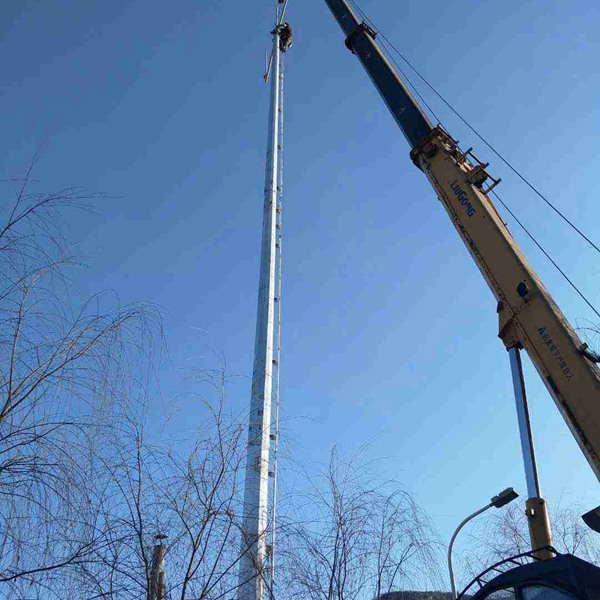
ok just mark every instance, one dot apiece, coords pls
pixel 389 329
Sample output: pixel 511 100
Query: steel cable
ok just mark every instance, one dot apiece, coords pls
pixel 465 122
pixel 513 169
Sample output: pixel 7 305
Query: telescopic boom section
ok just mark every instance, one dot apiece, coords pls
pixel 360 40
pixel 529 317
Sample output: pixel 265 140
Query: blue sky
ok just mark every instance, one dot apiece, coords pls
pixel 389 330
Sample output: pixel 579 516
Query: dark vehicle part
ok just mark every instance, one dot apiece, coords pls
pixel 564 577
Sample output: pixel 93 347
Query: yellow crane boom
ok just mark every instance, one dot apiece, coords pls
pixel 528 316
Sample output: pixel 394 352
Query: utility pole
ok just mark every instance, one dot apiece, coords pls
pixel 260 465
pixel 158 583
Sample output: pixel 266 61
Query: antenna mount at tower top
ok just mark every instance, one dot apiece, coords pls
pixel 283 32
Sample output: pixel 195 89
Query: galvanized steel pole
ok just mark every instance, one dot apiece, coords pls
pixel 256 502
pixel 527 447
pixel 540 532
pixel 277 345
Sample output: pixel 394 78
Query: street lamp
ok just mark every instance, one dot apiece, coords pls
pixel 503 498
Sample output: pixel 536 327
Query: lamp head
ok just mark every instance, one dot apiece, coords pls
pixel 504 497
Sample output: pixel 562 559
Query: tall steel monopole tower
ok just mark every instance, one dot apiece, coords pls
pixel 257 561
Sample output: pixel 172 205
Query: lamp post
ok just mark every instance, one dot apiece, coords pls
pixel 503 498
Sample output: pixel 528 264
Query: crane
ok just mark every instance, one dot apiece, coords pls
pixel 529 318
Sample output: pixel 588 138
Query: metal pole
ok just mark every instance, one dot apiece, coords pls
pixel 277 361
pixel 158 587
pixel 527 448
pixel 456 532
pixel 537 513
pixel 256 486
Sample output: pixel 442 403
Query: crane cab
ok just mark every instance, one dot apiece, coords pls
pixel 564 577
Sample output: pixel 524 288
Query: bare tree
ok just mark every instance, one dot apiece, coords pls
pixel 61 374
pixel 205 503
pixel 357 539
pixel 190 494
pixel 85 490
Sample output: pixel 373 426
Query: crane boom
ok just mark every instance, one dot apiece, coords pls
pixel 412 121
pixel 528 316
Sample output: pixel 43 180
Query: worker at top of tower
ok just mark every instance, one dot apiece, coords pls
pixel 285 36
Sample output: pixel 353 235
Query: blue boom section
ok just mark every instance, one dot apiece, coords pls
pixel 360 40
